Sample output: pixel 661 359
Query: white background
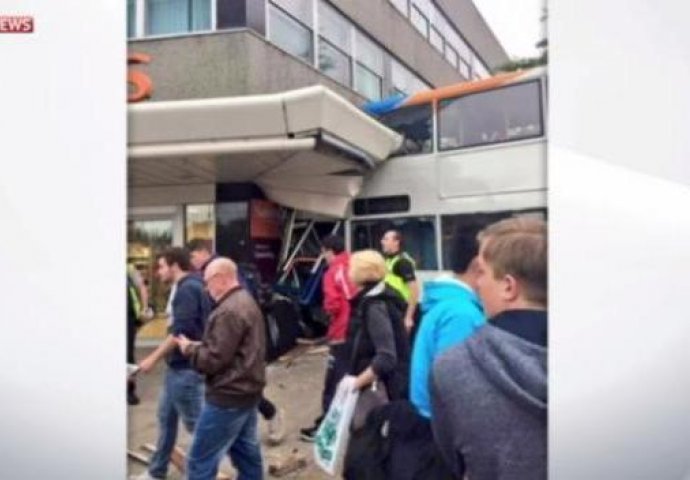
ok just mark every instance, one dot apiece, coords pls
pixel 62 246
pixel 619 196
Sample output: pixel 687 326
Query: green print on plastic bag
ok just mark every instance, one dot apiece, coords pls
pixel 325 441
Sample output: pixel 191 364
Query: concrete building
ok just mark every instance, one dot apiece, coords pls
pixel 203 163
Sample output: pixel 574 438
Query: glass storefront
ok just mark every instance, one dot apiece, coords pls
pixel 200 223
pixel 146 239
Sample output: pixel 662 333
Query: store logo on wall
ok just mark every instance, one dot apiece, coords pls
pixel 16 24
pixel 141 86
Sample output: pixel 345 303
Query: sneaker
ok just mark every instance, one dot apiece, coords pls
pixel 276 428
pixel 145 475
pixel 308 434
pixel 132 399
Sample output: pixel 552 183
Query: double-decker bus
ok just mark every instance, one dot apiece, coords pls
pixel 473 153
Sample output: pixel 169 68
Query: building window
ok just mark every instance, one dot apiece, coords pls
pixel 131 18
pixel 335 28
pixel 177 16
pixel 334 63
pixel 404 80
pixel 436 39
pixel 232 230
pixel 470 224
pixel 401 5
pixel 415 124
pixel 479 69
pixel 200 222
pixel 464 69
pixel 146 240
pixel 345 53
pixel 420 22
pixel 301 10
pixel 367 83
pixel 335 44
pixel 290 35
pixel 495 116
pixel 452 56
pixel 419 237
pixel 369 70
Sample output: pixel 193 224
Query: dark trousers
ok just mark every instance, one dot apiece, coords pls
pixel 413 453
pixel 417 316
pixel 406 452
pixel 131 336
pixel 266 408
pixel 337 368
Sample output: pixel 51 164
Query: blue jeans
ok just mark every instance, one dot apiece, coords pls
pixel 225 430
pixel 182 396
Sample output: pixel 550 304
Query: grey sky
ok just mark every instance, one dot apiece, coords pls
pixel 515 23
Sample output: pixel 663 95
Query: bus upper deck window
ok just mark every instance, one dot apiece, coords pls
pixel 415 123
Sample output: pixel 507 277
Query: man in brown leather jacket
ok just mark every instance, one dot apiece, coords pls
pixel 231 357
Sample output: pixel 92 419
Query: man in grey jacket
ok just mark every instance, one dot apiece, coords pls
pixel 489 394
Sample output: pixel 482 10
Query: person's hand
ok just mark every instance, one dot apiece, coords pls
pixel 349 382
pixel 146 365
pixel 147 314
pixel 183 343
pixel 409 324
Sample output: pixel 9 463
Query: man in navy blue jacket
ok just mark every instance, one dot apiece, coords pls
pixel 182 393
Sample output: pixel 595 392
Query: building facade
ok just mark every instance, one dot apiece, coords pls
pixel 196 51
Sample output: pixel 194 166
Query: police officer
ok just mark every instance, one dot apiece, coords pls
pixel 401 276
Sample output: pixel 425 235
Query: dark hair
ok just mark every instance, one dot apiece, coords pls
pixel 196 244
pixel 333 242
pixel 396 233
pixel 179 256
pixel 464 248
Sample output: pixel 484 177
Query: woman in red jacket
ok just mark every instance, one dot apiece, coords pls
pixel 337 292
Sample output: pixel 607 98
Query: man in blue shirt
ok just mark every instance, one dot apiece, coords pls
pixel 451 312
pixel 182 393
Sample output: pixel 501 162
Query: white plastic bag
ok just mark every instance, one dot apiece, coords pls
pixel 333 434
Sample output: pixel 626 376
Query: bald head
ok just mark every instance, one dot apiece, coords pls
pixel 220 277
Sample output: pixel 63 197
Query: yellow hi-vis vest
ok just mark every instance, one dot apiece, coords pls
pixel 133 294
pixel 394 281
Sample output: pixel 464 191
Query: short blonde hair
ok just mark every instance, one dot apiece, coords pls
pixel 367 266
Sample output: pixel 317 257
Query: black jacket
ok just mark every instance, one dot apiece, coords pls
pixel 376 337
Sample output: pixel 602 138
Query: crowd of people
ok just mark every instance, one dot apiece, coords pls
pixel 451 387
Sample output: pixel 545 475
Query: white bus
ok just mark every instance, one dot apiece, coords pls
pixel 473 153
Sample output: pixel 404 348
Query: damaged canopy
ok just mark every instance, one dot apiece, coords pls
pixel 307 149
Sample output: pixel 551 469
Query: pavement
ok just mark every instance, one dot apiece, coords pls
pixel 295 387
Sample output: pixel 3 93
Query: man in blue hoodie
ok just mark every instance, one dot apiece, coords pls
pixel 451 312
pixel 182 394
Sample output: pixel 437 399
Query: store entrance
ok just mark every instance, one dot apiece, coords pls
pixel 146 239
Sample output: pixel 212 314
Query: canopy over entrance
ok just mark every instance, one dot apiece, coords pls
pixel 307 149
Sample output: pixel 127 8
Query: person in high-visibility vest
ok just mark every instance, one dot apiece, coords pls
pixel 137 312
pixel 401 274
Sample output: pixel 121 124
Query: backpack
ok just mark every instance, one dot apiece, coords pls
pixel 398 383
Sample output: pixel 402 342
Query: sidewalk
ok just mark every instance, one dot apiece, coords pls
pixel 295 388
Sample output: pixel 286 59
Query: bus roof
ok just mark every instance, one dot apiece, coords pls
pixel 399 100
